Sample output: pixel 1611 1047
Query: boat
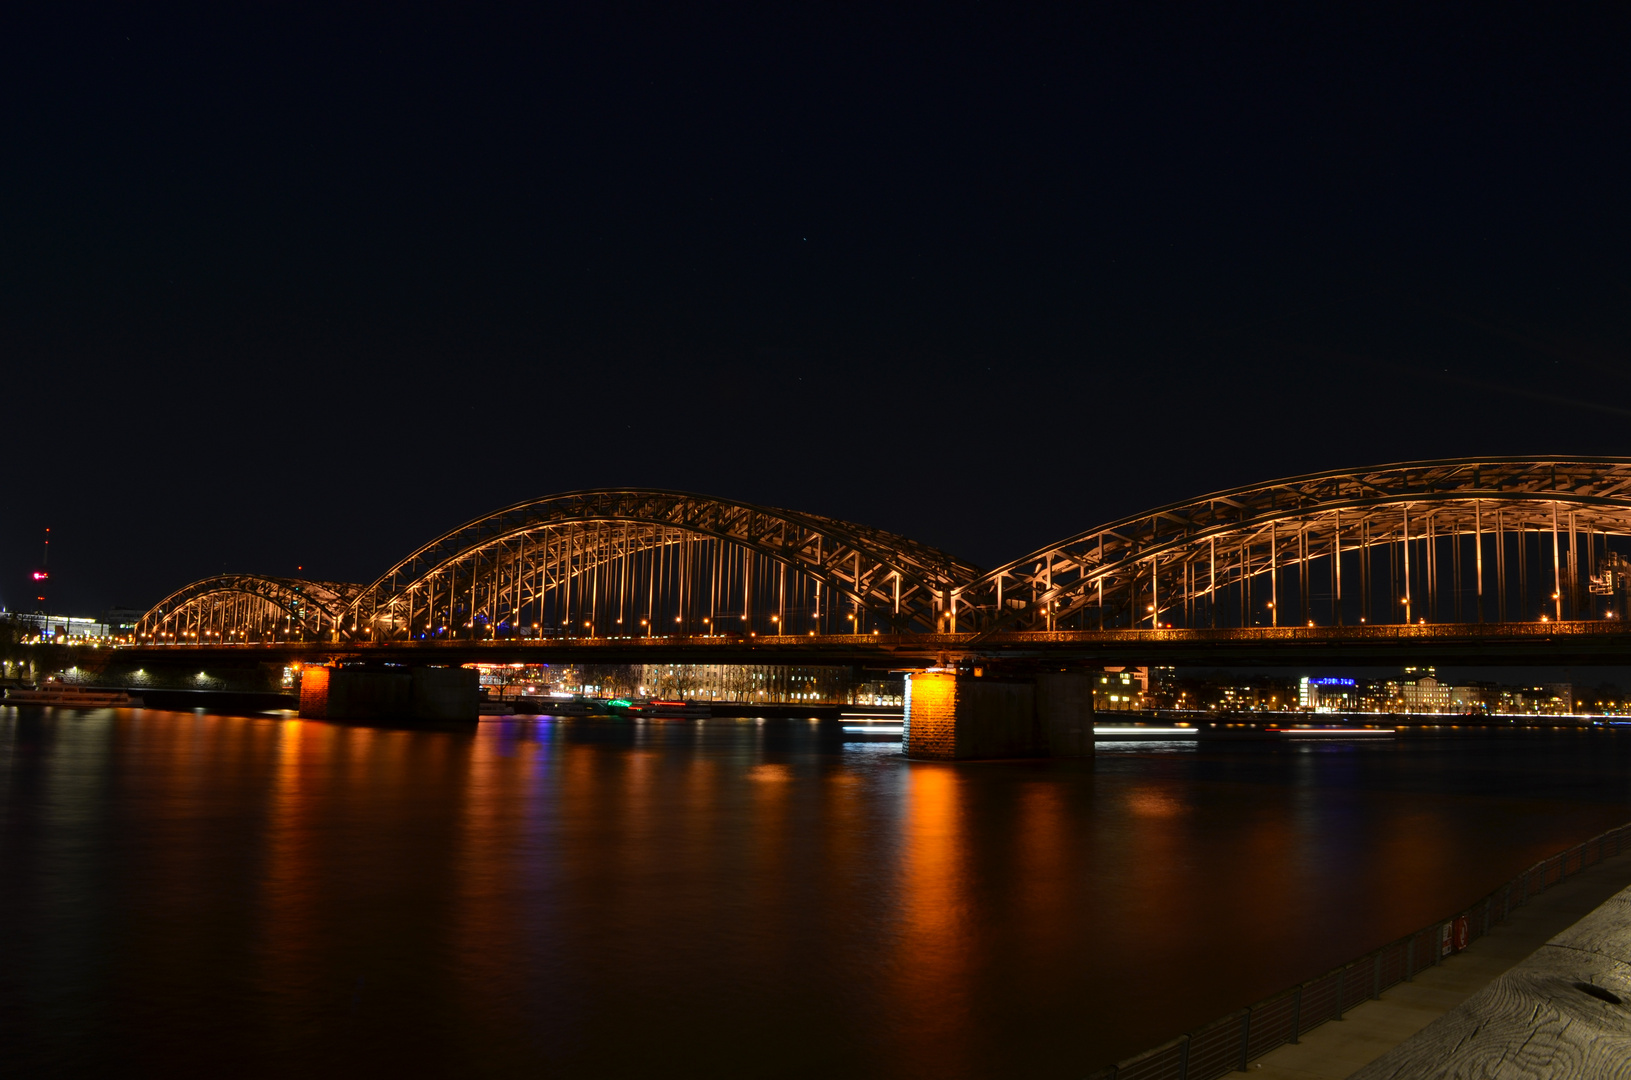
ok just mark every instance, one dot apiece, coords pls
pixel 670 710
pixel 83 697
pixel 571 707
pixel 545 706
pixel 1144 733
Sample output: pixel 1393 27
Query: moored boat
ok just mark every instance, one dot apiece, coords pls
pixel 671 710
pixel 84 697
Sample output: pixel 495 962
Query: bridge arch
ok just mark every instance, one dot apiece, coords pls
pixel 1462 539
pixel 244 608
pixel 636 562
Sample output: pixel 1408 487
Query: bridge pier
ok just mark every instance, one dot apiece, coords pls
pixel 437 694
pixel 953 717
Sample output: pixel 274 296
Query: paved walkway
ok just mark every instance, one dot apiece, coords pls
pixel 1337 1048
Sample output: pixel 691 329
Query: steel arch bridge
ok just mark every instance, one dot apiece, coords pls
pixel 1459 540
pixel 642 562
pixel 247 608
pixel 1496 541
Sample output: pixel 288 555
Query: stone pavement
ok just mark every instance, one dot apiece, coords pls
pixel 1337 1048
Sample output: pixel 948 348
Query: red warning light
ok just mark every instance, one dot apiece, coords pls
pixel 41 575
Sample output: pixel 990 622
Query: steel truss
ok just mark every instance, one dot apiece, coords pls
pixel 1462 540
pixel 640 563
pixel 1455 540
pixel 247 608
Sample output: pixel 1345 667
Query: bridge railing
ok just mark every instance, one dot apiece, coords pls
pixel 1366 632
pixel 1380 632
pixel 1232 1042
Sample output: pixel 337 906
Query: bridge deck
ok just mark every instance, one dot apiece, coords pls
pixel 1585 642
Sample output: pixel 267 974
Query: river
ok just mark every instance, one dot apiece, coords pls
pixel 188 893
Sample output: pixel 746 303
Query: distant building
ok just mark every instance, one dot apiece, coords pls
pixel 1264 697
pixel 764 683
pixel 58 628
pixel 1425 695
pixel 121 621
pixel 1118 690
pixel 771 683
pixel 1606 698
pixel 1327 694
pixel 1420 692
pixel 1474 698
pixel 1550 699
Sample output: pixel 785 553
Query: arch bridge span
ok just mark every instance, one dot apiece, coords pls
pixel 639 563
pixel 247 608
pixel 1461 541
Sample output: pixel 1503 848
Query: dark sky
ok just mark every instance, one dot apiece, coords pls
pixel 281 287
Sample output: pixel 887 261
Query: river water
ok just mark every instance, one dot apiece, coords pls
pixel 185 893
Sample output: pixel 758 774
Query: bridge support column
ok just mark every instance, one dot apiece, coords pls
pixel 958 717
pixel 436 694
pixel 1064 713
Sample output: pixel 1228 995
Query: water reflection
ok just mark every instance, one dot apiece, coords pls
pixel 931 986
pixel 737 898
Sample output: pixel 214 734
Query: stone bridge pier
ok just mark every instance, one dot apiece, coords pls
pixel 955 717
pixel 436 694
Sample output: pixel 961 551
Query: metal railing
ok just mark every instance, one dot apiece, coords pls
pixel 1232 1042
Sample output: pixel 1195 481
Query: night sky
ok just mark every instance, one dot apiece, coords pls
pixel 282 288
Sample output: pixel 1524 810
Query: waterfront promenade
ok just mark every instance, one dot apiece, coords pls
pixel 1337 1049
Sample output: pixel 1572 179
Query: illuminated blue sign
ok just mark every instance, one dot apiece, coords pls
pixel 1330 682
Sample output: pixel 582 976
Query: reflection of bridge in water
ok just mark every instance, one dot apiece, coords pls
pixel 1507 559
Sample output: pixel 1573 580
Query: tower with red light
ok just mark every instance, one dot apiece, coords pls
pixel 42 576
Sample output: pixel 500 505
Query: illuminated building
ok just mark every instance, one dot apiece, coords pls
pixel 59 627
pixel 1118 690
pixel 1328 694
pixel 1425 695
